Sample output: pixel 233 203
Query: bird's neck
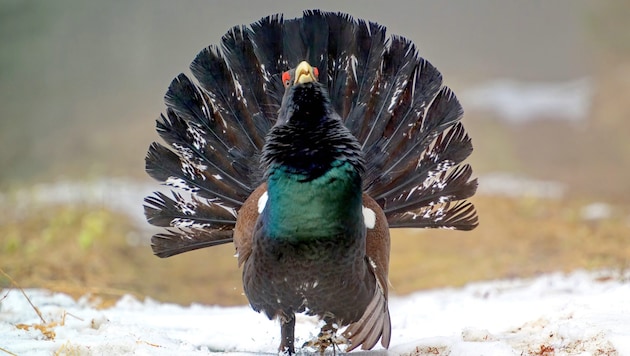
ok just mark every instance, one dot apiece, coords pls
pixel 314 183
pixel 327 207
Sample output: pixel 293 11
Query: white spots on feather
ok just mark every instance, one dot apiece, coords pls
pixel 372 263
pixel 193 170
pixel 266 76
pixel 198 136
pixel 183 223
pixel 184 152
pixel 177 182
pixel 353 67
pixel 205 110
pixel 395 97
pixel 436 178
pixel 434 212
pixel 445 165
pixel 413 190
pixel 369 217
pixel 308 285
pixel 190 165
pixel 414 80
pixel 239 92
pixel 262 202
pixel 264 72
pixel 187 208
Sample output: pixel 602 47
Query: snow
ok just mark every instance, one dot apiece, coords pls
pixel 581 313
pixel 518 102
pixel 511 185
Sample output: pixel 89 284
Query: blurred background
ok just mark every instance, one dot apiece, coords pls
pixel 545 86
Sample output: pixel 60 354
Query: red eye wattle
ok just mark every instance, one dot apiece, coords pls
pixel 286 78
pixel 316 72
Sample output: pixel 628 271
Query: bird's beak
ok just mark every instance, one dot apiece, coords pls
pixel 304 73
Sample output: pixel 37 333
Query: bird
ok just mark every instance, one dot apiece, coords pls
pixel 303 141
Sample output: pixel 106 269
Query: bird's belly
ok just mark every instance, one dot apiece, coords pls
pixel 319 278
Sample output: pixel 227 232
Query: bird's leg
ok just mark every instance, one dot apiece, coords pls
pixel 327 337
pixel 287 334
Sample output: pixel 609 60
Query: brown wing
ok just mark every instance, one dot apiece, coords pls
pixel 375 323
pixel 245 223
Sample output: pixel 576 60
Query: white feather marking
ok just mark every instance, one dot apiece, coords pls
pixel 188 223
pixel 353 66
pixel 372 263
pixel 262 202
pixel 369 217
pixel 179 183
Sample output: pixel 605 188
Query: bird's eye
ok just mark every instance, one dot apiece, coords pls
pixel 316 72
pixel 286 79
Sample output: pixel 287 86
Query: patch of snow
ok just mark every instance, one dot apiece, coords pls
pixel 519 102
pixel 510 185
pixel 579 313
pixel 596 211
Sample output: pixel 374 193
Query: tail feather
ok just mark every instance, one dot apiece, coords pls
pixel 164 211
pixel 448 150
pixel 225 96
pixel 313 41
pixel 250 82
pixel 398 64
pixel 337 64
pixel 197 223
pixel 403 130
pixel 190 169
pixel 174 242
pixel 389 97
pixel 461 216
pixel 197 134
pixel 439 188
pixel 370 46
pixel 264 34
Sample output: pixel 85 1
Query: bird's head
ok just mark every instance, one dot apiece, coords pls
pixel 309 137
pixel 305 100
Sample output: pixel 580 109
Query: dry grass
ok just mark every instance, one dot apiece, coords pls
pixel 82 250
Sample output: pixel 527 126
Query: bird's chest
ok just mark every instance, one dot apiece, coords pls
pixel 329 206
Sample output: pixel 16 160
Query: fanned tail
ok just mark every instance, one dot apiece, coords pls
pixel 408 124
pixel 389 97
pixel 215 131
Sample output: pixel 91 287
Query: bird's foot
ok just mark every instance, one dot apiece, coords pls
pixel 327 337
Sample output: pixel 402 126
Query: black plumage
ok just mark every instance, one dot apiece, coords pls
pixel 406 125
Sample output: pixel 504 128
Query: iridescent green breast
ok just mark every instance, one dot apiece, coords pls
pixel 328 206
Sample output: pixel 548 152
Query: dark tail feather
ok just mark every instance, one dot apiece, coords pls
pixel 250 81
pixel 175 242
pixel 161 210
pixel 461 216
pixel 226 98
pixel 197 223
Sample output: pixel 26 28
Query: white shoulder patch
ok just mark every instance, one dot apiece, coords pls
pixel 369 217
pixel 262 202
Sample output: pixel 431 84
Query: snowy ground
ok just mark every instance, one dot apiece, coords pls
pixel 518 102
pixel 580 313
